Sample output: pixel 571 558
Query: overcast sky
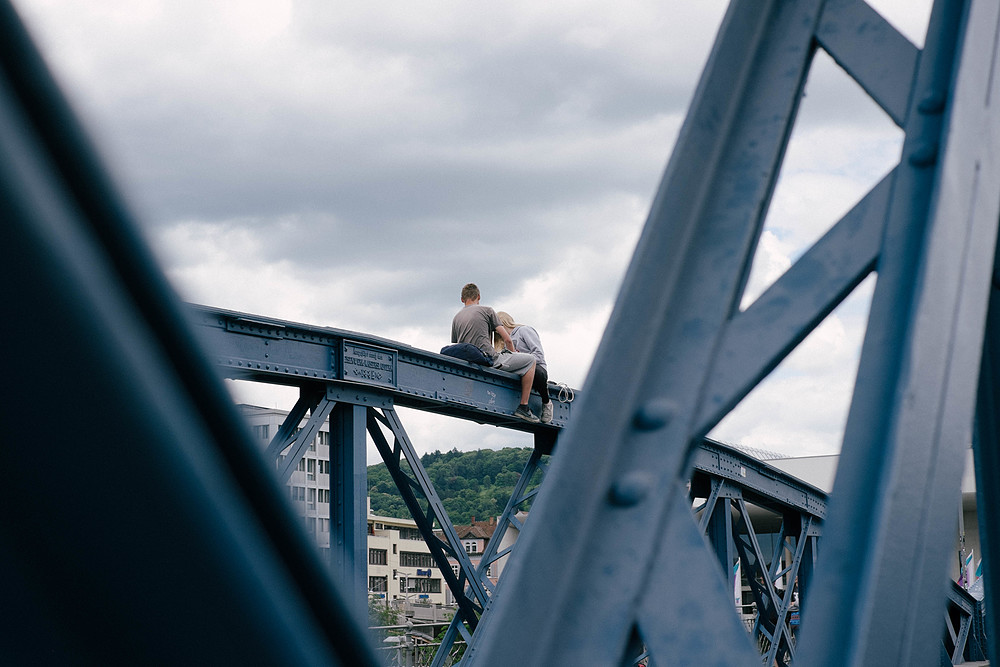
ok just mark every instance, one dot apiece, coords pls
pixel 353 164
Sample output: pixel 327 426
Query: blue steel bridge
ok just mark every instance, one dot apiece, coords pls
pixel 173 542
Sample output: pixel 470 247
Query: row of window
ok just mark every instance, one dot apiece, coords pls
pixel 404 533
pixel 314 523
pixel 413 559
pixel 410 534
pixel 263 432
pixel 406 558
pixel 419 585
pixel 411 585
pixel 311 496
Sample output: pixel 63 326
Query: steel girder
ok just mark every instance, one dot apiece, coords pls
pixel 958 622
pixel 678 354
pixel 727 522
pixel 172 543
pixel 930 232
pixel 425 507
pixel 264 349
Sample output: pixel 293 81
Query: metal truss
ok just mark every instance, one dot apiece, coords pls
pixel 263 349
pixel 174 543
pixel 520 496
pixel 426 508
pixel 958 622
pixel 726 520
pixel 679 353
pixel 631 577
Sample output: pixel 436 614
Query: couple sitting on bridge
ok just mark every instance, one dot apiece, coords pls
pixel 476 324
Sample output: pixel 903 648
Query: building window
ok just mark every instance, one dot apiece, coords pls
pixel 378 584
pixel 324 438
pixel 410 534
pixel 471 546
pixel 312 497
pixel 378 557
pixel 261 431
pixel 311 468
pixel 299 493
pixel 411 559
pixel 302 465
pixel 324 525
pixel 324 467
pixel 324 495
pixel 421 585
pixel 311 525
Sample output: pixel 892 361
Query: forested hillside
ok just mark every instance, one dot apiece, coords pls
pixel 470 484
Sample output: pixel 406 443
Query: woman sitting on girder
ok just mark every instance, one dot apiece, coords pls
pixel 526 340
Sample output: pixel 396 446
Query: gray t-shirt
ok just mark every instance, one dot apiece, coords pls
pixel 474 324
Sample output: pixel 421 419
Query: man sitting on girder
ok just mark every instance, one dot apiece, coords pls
pixel 473 324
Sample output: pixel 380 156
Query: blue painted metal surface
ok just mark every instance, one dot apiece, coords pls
pixel 172 544
pixel 986 447
pixel 263 349
pixel 349 501
pixel 678 354
pixel 613 564
pixel 508 518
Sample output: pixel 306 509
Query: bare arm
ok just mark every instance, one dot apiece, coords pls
pixel 508 343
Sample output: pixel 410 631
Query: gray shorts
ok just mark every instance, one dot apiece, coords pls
pixel 514 362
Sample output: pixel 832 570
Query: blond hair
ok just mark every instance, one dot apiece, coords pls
pixel 508 322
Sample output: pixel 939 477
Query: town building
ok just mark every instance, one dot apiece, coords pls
pixel 401 570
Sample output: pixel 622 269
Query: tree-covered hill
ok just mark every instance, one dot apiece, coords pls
pixel 470 484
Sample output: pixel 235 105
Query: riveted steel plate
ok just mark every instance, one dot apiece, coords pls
pixel 368 364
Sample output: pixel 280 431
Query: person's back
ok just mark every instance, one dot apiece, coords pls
pixel 473 324
pixel 526 339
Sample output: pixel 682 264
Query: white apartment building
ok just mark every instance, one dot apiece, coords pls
pixel 401 570
pixel 309 485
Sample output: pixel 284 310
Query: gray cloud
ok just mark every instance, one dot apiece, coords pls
pixel 353 164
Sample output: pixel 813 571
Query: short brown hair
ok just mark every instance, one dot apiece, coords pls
pixel 470 292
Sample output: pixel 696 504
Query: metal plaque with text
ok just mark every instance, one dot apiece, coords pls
pixel 368 364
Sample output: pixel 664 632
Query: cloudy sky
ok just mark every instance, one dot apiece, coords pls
pixel 353 164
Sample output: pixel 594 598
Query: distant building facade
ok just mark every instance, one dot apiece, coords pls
pixel 309 485
pixel 401 570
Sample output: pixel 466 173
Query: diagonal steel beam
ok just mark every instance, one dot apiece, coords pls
pixel 878 595
pixel 757 339
pixel 415 488
pixel 636 423
pixel 302 439
pixel 308 400
pixel 881 60
pixel 518 497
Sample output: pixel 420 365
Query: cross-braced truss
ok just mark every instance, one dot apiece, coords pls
pixel 678 354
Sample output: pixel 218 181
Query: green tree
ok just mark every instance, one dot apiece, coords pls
pixel 476 483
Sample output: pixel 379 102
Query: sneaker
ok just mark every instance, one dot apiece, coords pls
pixel 525 414
pixel 547 410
